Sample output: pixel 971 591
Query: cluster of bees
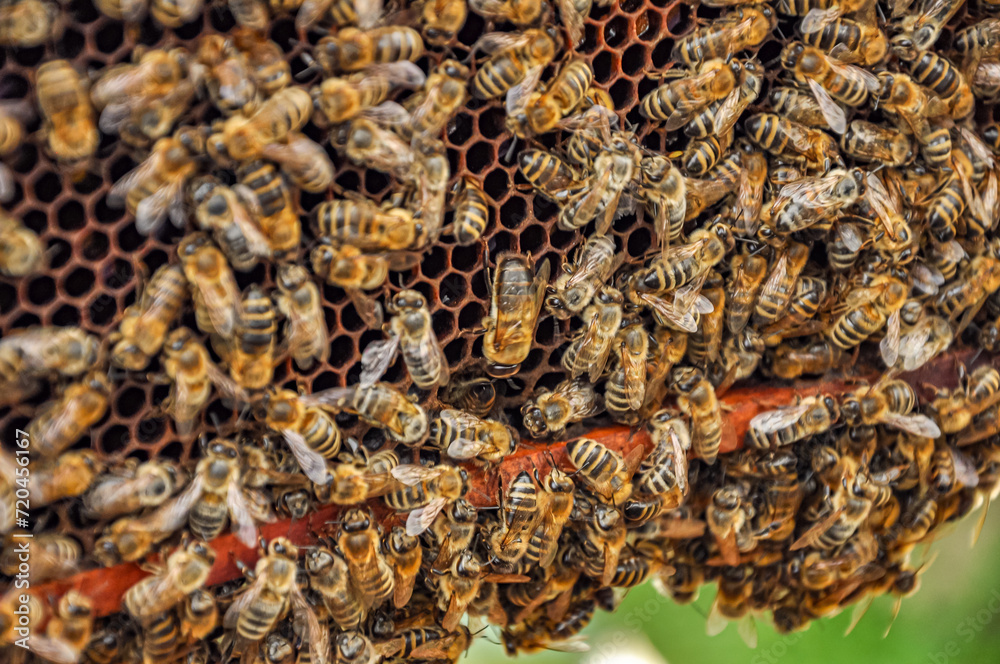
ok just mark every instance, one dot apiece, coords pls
pixel 851 201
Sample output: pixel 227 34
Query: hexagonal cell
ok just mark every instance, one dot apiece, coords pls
pixel 479 156
pixel 616 31
pixel 679 21
pixel 633 62
pixel 46 186
pixel 513 212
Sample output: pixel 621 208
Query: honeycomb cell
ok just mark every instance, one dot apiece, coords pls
pixel 70 44
pixel 29 57
pixel 513 213
pixel 479 156
pixel 129 239
pixel 633 62
pixel 95 246
pixel 589 42
pixel 492 123
pixel 114 440
pixel 533 239
pixel 78 282
pixel 376 182
pixel 603 66
pixel 496 184
pixel 454 352
pixel 25 159
pixel 630 6
pixel 8 297
pixel 83 11
pixel 460 129
pixel 47 186
pixel 660 55
pixel 561 239
pixel 501 242
pixel 616 31
pixel 150 430
pixel 190 30
pixel 342 350
pixel 471 316
pixel 466 258
pixel 435 262
pixel 639 242
pixel 623 92
pixel 129 401
pixel 453 289
pixel 109 37
pixel 102 310
pixel 647 25
pixel 679 19
pixel 443 322
pixel 88 184
pixel 41 290
pixel 59 252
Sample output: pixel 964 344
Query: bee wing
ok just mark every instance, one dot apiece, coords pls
pixel 573 20
pixel 171 515
pixel 581 399
pixel 368 308
pixel 369 12
pixel 965 468
pixel 688 297
pixel 832 112
pixel 917 424
pixel 319 638
pixel 311 462
pixel 687 107
pixel 859 297
pixel 780 418
pixel 466 448
pixel 817 19
pixel 388 113
pixel 978 147
pixel 811 192
pixel 517 96
pixel 870 80
pixel 412 474
pixel 889 346
pixel 240 515
pixel 403 73
pixel 775 279
pixel 53 650
pixel 245 213
pixel 152 210
pixel 849 235
pixel 635 378
pixel 310 12
pixel 750 199
pixel 243 603
pixel 810 537
pixel 729 112
pixel 912 348
pixel 113 117
pixel 421 518
pixel 108 492
pixel 128 182
pixel 686 322
pixel 376 360
pixel 494 42
pixel 223 305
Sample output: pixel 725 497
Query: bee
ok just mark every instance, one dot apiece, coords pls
pixel 603 470
pixel 856 41
pixel 118 493
pixel 454 530
pixel 513 59
pixel 132 11
pixel 464 436
pixel 729 522
pixel 517 295
pixel 341 12
pixel 52 556
pixel 231 213
pixel 617 168
pixel 549 175
pixel 696 398
pixel 785 426
pixel 472 211
pixel 928 337
pixel 741 355
pixel 519 12
pixel 340 99
pixel 67 476
pixel 626 391
pixel 663 191
pixel 379 405
pixel 175 13
pixel 28 23
pixel 816 357
pixel 353 49
pixel 364 225
pixel 405 554
pixel 951 470
pixel 21 250
pixel 46 352
pixel 702 154
pixel 746 277
pixel 269 68
pixel 873 143
pixel 250 14
pixel 578 281
pixel 968 292
pixel 226 74
pixel 370 573
pixel 273 590
pixel 812 199
pixel 348 268
pixel 920 29
pixel 747 26
pixel 779 287
pixel 444 92
pixel 425 492
pixel 330 578
pixel 275 213
pixel 68 121
pixel 63 421
pixel 304 161
pixel 550 412
pixel 532 113
pixel 590 352
pixel 154 190
pixel 704 344
pixel 213 286
pixel 664 471
pixel 251 354
pixel 866 310
pixel 944 79
pixel 311 433
pixel 796 105
pixel 889 402
pixel 677 103
pixel 409 331
pixel 299 302
pixel 68 631
pixel 830 81
pixel 793 141
pixel 668 348
pixel 284 112
pixel 602 542
pixel 185 572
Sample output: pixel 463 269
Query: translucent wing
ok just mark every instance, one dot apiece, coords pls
pixel 152 210
pixel 635 378
pixel 239 514
pixel 831 110
pixel 918 425
pixel 889 346
pixel 128 182
pixel 222 301
pixel 171 515
pixel 368 308
pixel 593 262
pixel 926 278
pixel 911 348
pixel 53 650
pixel 310 12
pixel 403 73
pixel 517 96
pixel 664 308
pixel 781 418
pixel 245 600
pixel 688 297
pixel 849 235
pixel 965 468
pixel 859 611
pixel 817 19
pixel 369 12
pixel 686 108
pixel 318 638
pixel 978 147
pixel 113 117
pixel 849 71
pixel 421 518
pixel 775 279
pixel 466 448
pixel 811 536
pixel 716 623
pixel 388 114
pixel 497 41
pixel 572 19
pixel 412 474
pixel 376 360
pixel 311 462
pixel 746 627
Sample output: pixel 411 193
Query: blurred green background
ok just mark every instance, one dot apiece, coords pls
pixel 954 617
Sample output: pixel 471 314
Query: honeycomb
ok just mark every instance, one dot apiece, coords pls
pixel 98 259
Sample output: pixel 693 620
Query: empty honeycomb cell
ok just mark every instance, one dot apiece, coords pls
pixel 545 332
pixel 639 242
pixel 460 129
pixel 500 242
pixel 88 184
pixel 616 31
pixel 479 156
pixel 324 381
pixel 25 159
pixel 78 282
pixel 129 239
pixel 513 213
pixel 549 380
pixel 95 246
pixel 59 252
pixel 129 401
pixel 47 186
pixel 623 92
pixel 435 262
pixel 466 258
pixel 603 66
pixel 71 216
pixel 14 86
pixel 589 42
pixel 633 62
pixel 342 350
pixel 8 297
pixel 36 220
pixel 376 182
pixel 543 209
pixel 491 123
pixel 453 289
pixel 561 239
pixel 83 11
pixel 118 274
pixel 647 25
pixel 190 30
pixel 534 359
pixel 679 19
pixel 284 34
pixel 630 6
pixel 67 314
pixel 102 310
pixel 150 430
pixel 454 352
pixel 114 439
pixel 532 239
pixel 443 322
pixel 471 316
pixel 496 184
pixel 29 57
pixel 70 44
pixel 41 290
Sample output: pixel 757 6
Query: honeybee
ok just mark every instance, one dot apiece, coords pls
pixel 52 556
pixel 409 331
pixel 267 63
pixel 369 145
pixel 21 250
pixel 124 89
pixel 945 80
pixel 155 189
pixel 531 113
pixel 225 73
pixel 606 472
pixel 273 591
pixel 784 426
pixel 590 352
pixel 304 161
pixel 442 19
pixel 550 412
pixel 729 522
pixel 343 12
pixel 284 112
pixel 339 100
pixel 918 30
pixel 549 175
pixel 185 572
pixel 517 295
pixel 192 373
pixel 354 49
pixel 676 103
pixel 817 357
pixel 576 284
pixel 811 199
pixel 747 272
pixel 69 629
pixel 924 340
pixel 696 398
pixel 275 214
pixel 793 141
pixel 330 578
pixel 63 421
pixel 46 352
pixel 513 59
pixel 213 286
pixel 443 94
pixel 129 490
pixel 797 105
pixel 311 433
pixel 405 555
pixel 465 436
pixel 250 354
pixel 298 300
pixel 744 28
pixel 424 492
pixel 704 344
pixel 68 121
pixel 967 293
pixel 602 542
pixel 873 143
pixel 866 310
pixel 231 213
pixel 663 190
pixel 28 23
pixel 889 402
pixel 359 542
pixel 67 476
pixel 367 227
pixel 347 267
pixel 854 41
pixel 379 405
